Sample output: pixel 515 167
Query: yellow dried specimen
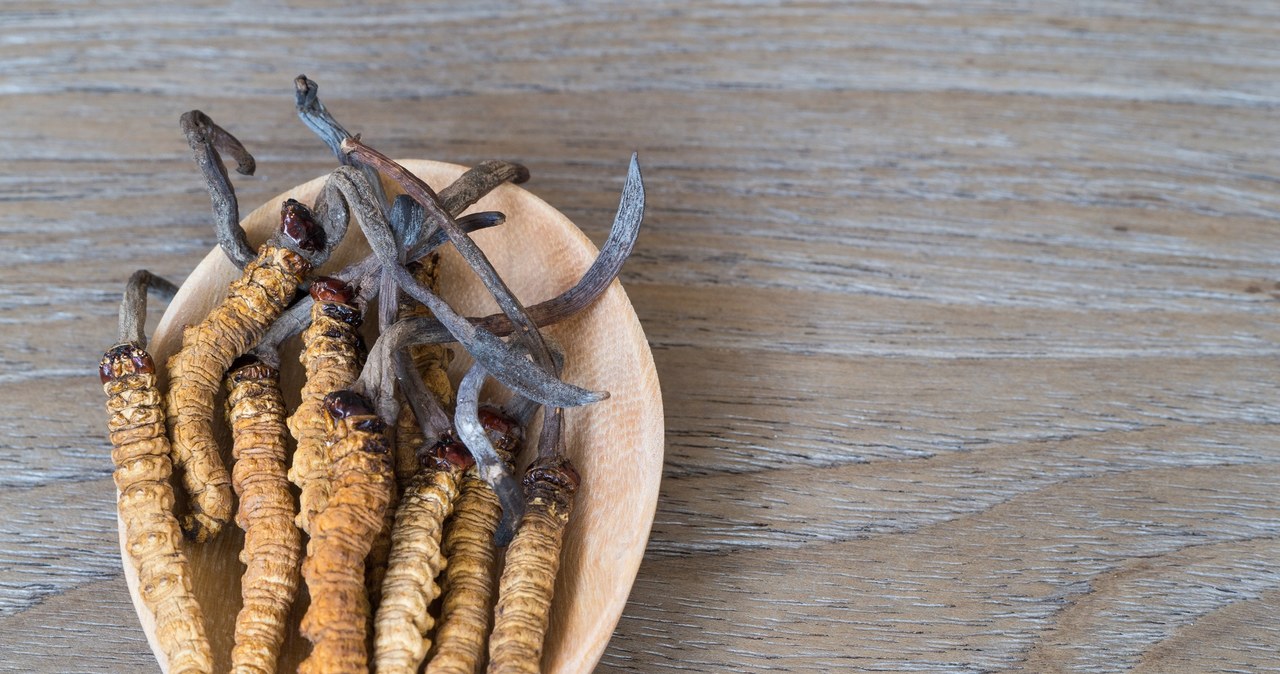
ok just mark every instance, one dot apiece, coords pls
pixel 140 452
pixel 337 621
pixel 375 565
pixel 272 542
pixel 403 623
pixel 331 357
pixel 253 302
pixel 529 575
pixel 468 581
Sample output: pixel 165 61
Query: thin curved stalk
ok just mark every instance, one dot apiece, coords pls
pixel 206 139
pixel 525 330
pixel 133 307
pixel 621 241
pixel 345 187
pixel 306 98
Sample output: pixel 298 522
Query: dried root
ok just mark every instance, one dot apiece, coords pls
pixel 337 621
pixel 469 578
pixel 331 358
pixel 529 577
pixel 253 301
pixel 403 623
pixel 141 457
pixel 272 543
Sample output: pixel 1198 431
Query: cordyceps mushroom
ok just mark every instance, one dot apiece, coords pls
pixel 272 542
pixel 402 622
pixel 527 585
pixel 331 358
pixel 337 620
pixel 468 582
pixel 528 378
pixel 252 303
pixel 140 452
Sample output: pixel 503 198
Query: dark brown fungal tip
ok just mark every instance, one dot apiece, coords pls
pixel 503 431
pixel 250 368
pixel 342 312
pixel 556 470
pixel 450 453
pixel 329 289
pixel 372 425
pixel 124 359
pixel 343 404
pixel 300 227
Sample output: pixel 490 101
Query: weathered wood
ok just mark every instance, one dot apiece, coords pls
pixel 965 313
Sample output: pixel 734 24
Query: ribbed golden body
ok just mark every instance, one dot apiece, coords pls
pixel 337 621
pixel 465 613
pixel 529 575
pixel 253 302
pixel 272 542
pixel 403 623
pixel 140 453
pixel 331 358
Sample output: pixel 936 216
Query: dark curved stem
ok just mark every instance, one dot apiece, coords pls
pixel 361 274
pixel 491 466
pixel 133 306
pixel 345 191
pixel 206 140
pixel 525 330
pixel 621 241
pixel 311 111
pixel 479 181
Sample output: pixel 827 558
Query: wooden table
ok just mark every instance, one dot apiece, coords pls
pixel 965 313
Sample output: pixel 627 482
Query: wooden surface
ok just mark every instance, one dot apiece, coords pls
pixel 965 313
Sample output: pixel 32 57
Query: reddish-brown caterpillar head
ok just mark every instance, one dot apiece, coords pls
pixel 556 470
pixel 249 368
pixel 299 226
pixel 329 289
pixel 125 359
pixel 503 432
pixel 446 454
pixel 343 404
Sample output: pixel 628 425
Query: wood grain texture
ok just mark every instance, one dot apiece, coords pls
pixel 964 313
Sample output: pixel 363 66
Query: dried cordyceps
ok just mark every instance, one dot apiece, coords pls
pixel 206 139
pixel 529 574
pixel 142 468
pixel 253 301
pixel 530 379
pixel 272 542
pixel 468 582
pixel 331 359
pixel 336 623
pixel 402 622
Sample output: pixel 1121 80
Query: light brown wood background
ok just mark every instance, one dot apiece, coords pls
pixel 965 313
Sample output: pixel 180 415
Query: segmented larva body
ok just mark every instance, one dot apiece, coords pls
pixel 403 622
pixel 272 542
pixel 337 621
pixel 331 357
pixel 467 608
pixel 140 452
pixel 253 302
pixel 529 575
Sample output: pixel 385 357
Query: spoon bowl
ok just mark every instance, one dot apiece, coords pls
pixel 616 445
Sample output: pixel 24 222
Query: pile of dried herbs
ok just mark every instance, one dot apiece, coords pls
pixel 401 487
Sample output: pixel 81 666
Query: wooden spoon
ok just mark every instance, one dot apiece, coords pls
pixel 616 445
